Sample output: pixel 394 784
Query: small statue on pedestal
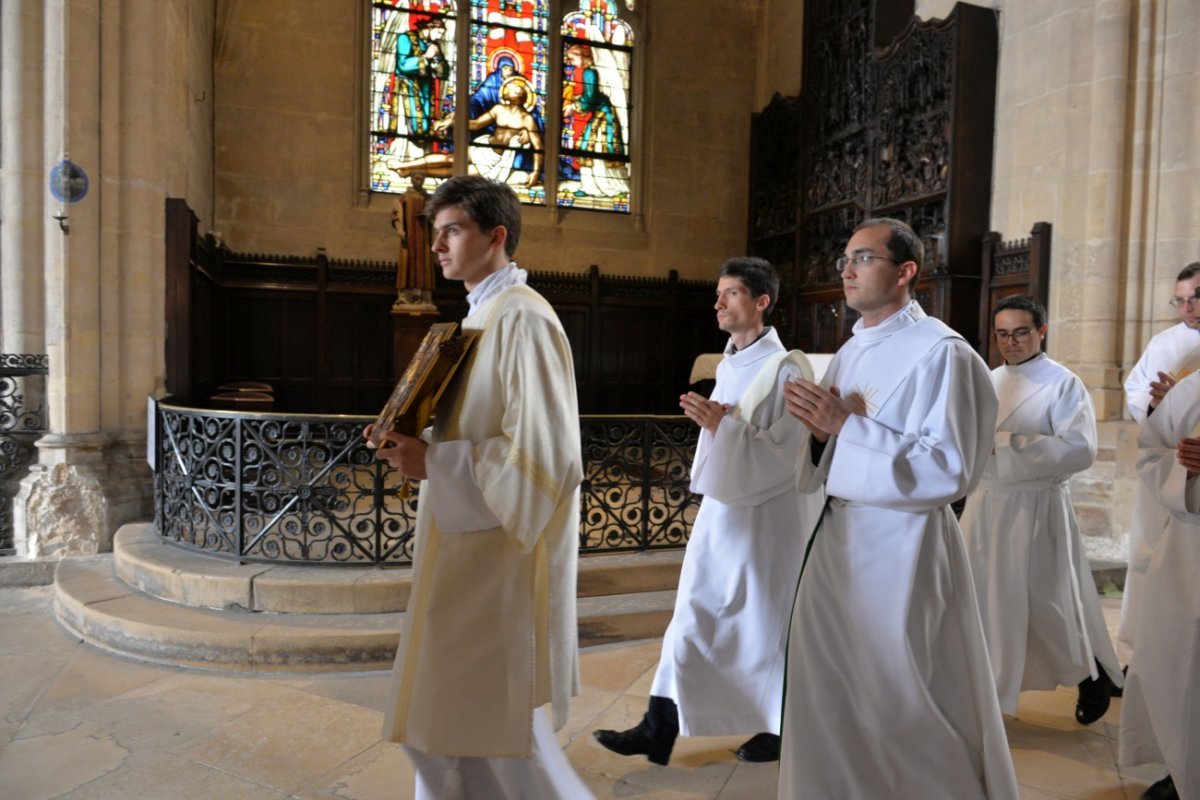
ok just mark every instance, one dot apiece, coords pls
pixel 414 273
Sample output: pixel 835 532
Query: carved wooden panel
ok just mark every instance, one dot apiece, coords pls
pixel 896 120
pixel 775 141
pixel 319 331
pixel 1021 266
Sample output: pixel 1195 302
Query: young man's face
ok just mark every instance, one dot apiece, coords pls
pixel 1185 302
pixel 875 283
pixel 1016 335
pixel 737 310
pixel 464 252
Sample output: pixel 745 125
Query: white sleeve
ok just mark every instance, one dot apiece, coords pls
pixel 949 429
pixel 1137 386
pixel 1158 467
pixel 745 464
pixel 453 494
pixel 1070 448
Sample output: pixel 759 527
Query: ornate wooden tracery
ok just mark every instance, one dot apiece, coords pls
pixel 891 123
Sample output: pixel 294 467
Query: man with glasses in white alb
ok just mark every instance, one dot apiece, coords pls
pixel 889 691
pixel 1041 612
pixel 1170 356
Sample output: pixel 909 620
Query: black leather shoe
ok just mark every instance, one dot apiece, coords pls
pixel 634 742
pixel 1094 697
pixel 760 747
pixel 1163 790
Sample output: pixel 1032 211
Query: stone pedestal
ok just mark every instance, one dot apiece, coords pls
pixel 410 323
pixel 82 489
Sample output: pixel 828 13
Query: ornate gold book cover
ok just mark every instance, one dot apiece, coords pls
pixel 424 381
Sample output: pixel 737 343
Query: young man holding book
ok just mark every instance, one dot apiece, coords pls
pixel 490 637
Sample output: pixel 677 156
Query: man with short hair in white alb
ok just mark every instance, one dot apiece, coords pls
pixel 1041 612
pixel 1169 357
pixel 889 690
pixel 488 659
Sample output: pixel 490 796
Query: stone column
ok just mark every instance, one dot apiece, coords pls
pixel 1164 203
pixel 22 210
pixel 22 182
pixel 90 476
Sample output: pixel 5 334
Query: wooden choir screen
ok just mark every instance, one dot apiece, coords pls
pixel 1021 266
pixel 896 119
pixel 319 330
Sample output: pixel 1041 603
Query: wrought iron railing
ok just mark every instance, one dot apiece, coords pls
pixel 22 421
pixel 305 489
pixel 635 487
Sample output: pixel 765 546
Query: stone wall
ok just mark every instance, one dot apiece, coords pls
pixel 289 96
pixel 780 51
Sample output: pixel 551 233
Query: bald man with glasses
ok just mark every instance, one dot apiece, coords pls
pixel 1170 356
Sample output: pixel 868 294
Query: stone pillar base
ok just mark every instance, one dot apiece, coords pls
pixel 81 490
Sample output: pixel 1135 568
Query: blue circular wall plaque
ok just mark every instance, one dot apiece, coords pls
pixel 68 182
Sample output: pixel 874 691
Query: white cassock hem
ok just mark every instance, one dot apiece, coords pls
pixel 545 775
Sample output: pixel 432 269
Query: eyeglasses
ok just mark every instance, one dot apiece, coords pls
pixel 859 260
pixel 1180 302
pixel 1019 336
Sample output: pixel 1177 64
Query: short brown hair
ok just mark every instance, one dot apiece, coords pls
pixel 488 203
pixel 1189 271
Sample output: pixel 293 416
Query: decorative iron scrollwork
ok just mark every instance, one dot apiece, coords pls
pixel 261 487
pixel 635 491
pixel 273 488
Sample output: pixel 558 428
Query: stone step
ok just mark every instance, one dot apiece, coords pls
pixel 147 563
pixel 623 617
pixel 92 602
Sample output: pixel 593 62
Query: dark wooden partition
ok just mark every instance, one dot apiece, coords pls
pixel 319 330
pixel 1021 266
pixel 896 119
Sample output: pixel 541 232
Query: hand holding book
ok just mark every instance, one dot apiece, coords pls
pixel 415 398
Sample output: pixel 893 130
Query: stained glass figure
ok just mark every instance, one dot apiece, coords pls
pixel 507 109
pixel 413 56
pixel 594 162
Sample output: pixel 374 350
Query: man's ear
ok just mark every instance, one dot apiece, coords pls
pixel 498 236
pixel 762 302
pixel 908 274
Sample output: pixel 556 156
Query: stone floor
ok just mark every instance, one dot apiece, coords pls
pixel 80 723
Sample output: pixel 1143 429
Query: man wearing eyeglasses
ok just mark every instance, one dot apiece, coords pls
pixel 1041 613
pixel 889 690
pixel 1170 355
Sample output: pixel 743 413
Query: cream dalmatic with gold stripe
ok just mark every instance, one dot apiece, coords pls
pixel 491 629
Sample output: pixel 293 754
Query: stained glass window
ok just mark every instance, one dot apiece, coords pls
pixel 594 155
pixel 413 56
pixel 502 130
